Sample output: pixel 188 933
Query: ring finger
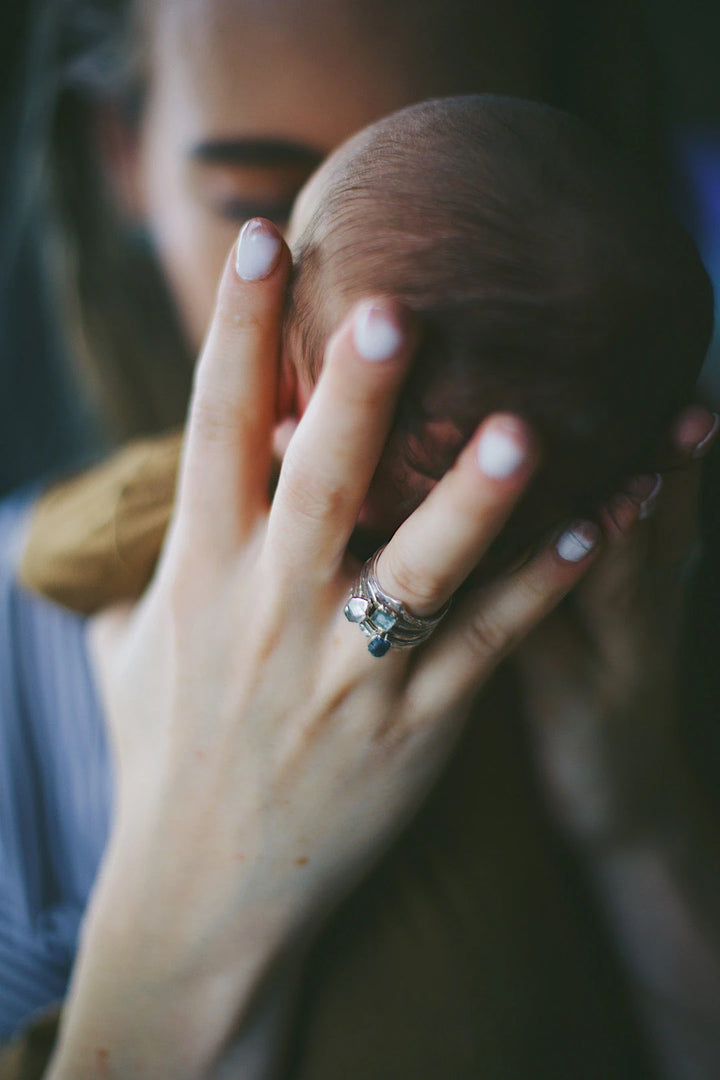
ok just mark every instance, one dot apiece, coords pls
pixel 436 548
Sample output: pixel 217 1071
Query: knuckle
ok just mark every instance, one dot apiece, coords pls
pixel 422 591
pixel 535 595
pixel 367 393
pixel 619 516
pixel 239 321
pixel 310 495
pixel 487 637
pixel 217 419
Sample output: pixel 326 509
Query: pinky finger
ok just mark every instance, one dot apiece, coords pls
pixel 489 624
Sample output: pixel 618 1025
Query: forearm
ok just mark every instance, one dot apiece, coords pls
pixel 132 1013
pixel 143 1036
pixel 256 1049
pixel 661 894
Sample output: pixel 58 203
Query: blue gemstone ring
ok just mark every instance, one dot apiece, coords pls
pixel 384 619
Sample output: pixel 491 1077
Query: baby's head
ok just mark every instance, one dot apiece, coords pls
pixel 549 281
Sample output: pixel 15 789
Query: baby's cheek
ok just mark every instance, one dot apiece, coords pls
pixel 394 493
pixel 407 473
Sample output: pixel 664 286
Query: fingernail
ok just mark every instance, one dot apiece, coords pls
pixel 578 541
pixel 258 250
pixel 646 492
pixel 649 505
pixel 692 428
pixel 500 453
pixel 704 445
pixel 378 335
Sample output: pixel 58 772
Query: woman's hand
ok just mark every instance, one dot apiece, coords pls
pixel 600 675
pixel 264 759
pixel 602 696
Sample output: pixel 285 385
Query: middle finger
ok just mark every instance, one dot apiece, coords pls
pixel 335 449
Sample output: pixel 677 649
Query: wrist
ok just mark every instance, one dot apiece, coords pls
pixel 147 1008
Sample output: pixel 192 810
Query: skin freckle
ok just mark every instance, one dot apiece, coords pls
pixel 302 860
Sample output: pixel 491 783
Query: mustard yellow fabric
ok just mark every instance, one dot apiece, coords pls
pixel 95 538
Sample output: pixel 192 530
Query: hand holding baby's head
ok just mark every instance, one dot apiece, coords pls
pixel 549 281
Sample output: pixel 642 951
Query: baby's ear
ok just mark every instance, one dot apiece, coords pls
pixel 286 403
pixel 290 402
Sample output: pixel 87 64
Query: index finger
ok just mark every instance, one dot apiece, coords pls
pixel 227 453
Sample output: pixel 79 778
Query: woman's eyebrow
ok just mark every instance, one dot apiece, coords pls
pixel 256 151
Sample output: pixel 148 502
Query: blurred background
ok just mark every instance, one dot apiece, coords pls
pixel 645 72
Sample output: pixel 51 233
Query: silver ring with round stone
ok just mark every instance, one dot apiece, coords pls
pixel 384 619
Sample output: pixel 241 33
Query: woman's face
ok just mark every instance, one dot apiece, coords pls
pixel 246 97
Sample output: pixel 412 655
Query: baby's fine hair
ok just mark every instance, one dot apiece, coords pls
pixel 549 278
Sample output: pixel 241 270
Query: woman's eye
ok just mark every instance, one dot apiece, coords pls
pixel 235 192
pixel 237 210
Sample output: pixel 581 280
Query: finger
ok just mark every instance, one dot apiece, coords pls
pixel 676 523
pixel 606 603
pixel 673 497
pixel 435 549
pixel 672 506
pixel 228 444
pixel 569 725
pixel 547 662
pixel 334 452
pixel 553 668
pixel 632 591
pixel 644 492
pixel 692 433
pixel 490 623
pixel 610 605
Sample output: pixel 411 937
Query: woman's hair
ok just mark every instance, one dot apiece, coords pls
pixel 121 321
pixel 122 326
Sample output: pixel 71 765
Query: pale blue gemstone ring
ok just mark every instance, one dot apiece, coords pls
pixel 384 619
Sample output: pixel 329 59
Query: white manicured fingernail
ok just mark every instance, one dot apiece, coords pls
pixel 649 503
pixel 499 454
pixel 377 335
pixel 577 541
pixel 705 444
pixel 258 250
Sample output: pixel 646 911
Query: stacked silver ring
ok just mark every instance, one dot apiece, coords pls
pixel 383 618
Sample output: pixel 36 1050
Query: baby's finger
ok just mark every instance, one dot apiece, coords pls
pixel 436 548
pixel 334 452
pixel 489 623
pixel 226 462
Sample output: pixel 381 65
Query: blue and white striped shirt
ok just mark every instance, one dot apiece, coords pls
pixel 55 785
